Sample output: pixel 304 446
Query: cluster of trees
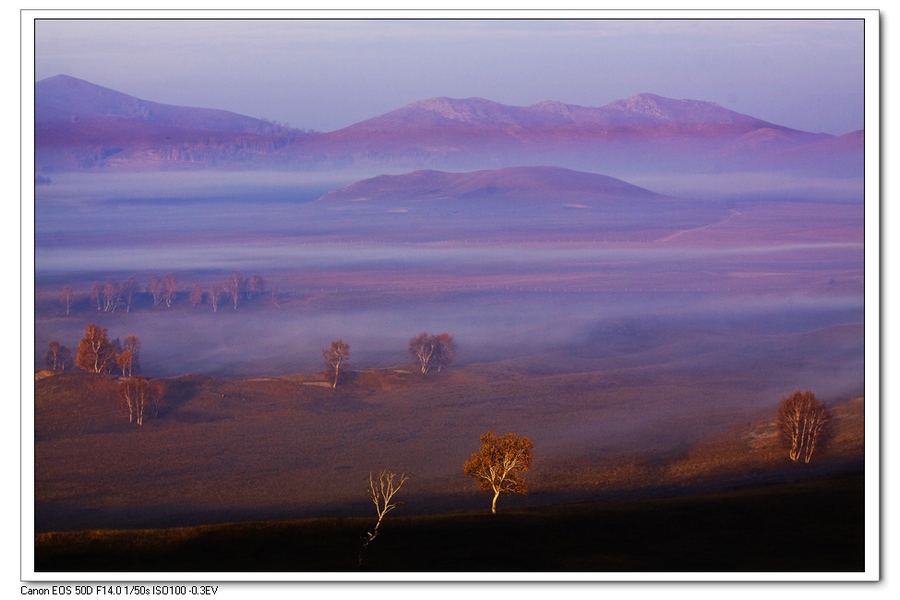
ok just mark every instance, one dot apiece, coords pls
pixel 234 290
pixel 139 397
pixel 110 296
pixel 57 357
pixel 432 351
pixel 427 351
pixel 98 354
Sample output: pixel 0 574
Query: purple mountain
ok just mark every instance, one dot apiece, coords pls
pixel 644 132
pixel 518 185
pixel 520 199
pixel 79 125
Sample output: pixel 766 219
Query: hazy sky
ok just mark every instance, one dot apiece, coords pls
pixel 328 74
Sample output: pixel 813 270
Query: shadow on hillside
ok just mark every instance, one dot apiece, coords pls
pixel 179 392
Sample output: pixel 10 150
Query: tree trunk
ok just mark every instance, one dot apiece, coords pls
pixel 494 502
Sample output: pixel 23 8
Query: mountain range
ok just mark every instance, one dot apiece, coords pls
pixel 82 126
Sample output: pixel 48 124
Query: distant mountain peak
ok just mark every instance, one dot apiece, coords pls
pixel 468 110
pixel 646 104
pixel 660 108
pixel 554 107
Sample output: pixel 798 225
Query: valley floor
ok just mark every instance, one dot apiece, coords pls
pixel 229 449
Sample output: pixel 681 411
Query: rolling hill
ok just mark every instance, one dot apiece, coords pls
pixel 519 185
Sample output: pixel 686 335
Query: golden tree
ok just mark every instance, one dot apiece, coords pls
pixel 95 354
pixel 802 421
pixel 499 464
pixel 127 359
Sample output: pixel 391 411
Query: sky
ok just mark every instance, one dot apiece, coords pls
pixel 327 74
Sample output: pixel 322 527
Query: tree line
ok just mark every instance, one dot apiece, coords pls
pixel 802 420
pixel 98 354
pixel 111 296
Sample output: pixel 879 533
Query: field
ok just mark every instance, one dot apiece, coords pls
pixel 231 449
pixel 256 455
pixel 645 362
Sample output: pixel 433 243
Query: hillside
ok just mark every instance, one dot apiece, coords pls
pixel 519 185
pixel 228 449
pixel 79 125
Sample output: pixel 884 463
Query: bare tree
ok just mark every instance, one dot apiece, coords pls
pixel 96 295
pixel 58 357
pixel 96 354
pixel 68 297
pixel 335 356
pixel 235 285
pixel 498 465
pixel 214 293
pixel 170 286
pixel 802 421
pixel 110 293
pixel 432 351
pixel 128 292
pixel 157 289
pixel 141 398
pixel 381 492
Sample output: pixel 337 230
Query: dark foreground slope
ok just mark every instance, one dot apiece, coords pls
pixel 808 526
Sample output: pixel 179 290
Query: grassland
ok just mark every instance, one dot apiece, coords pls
pixel 267 474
